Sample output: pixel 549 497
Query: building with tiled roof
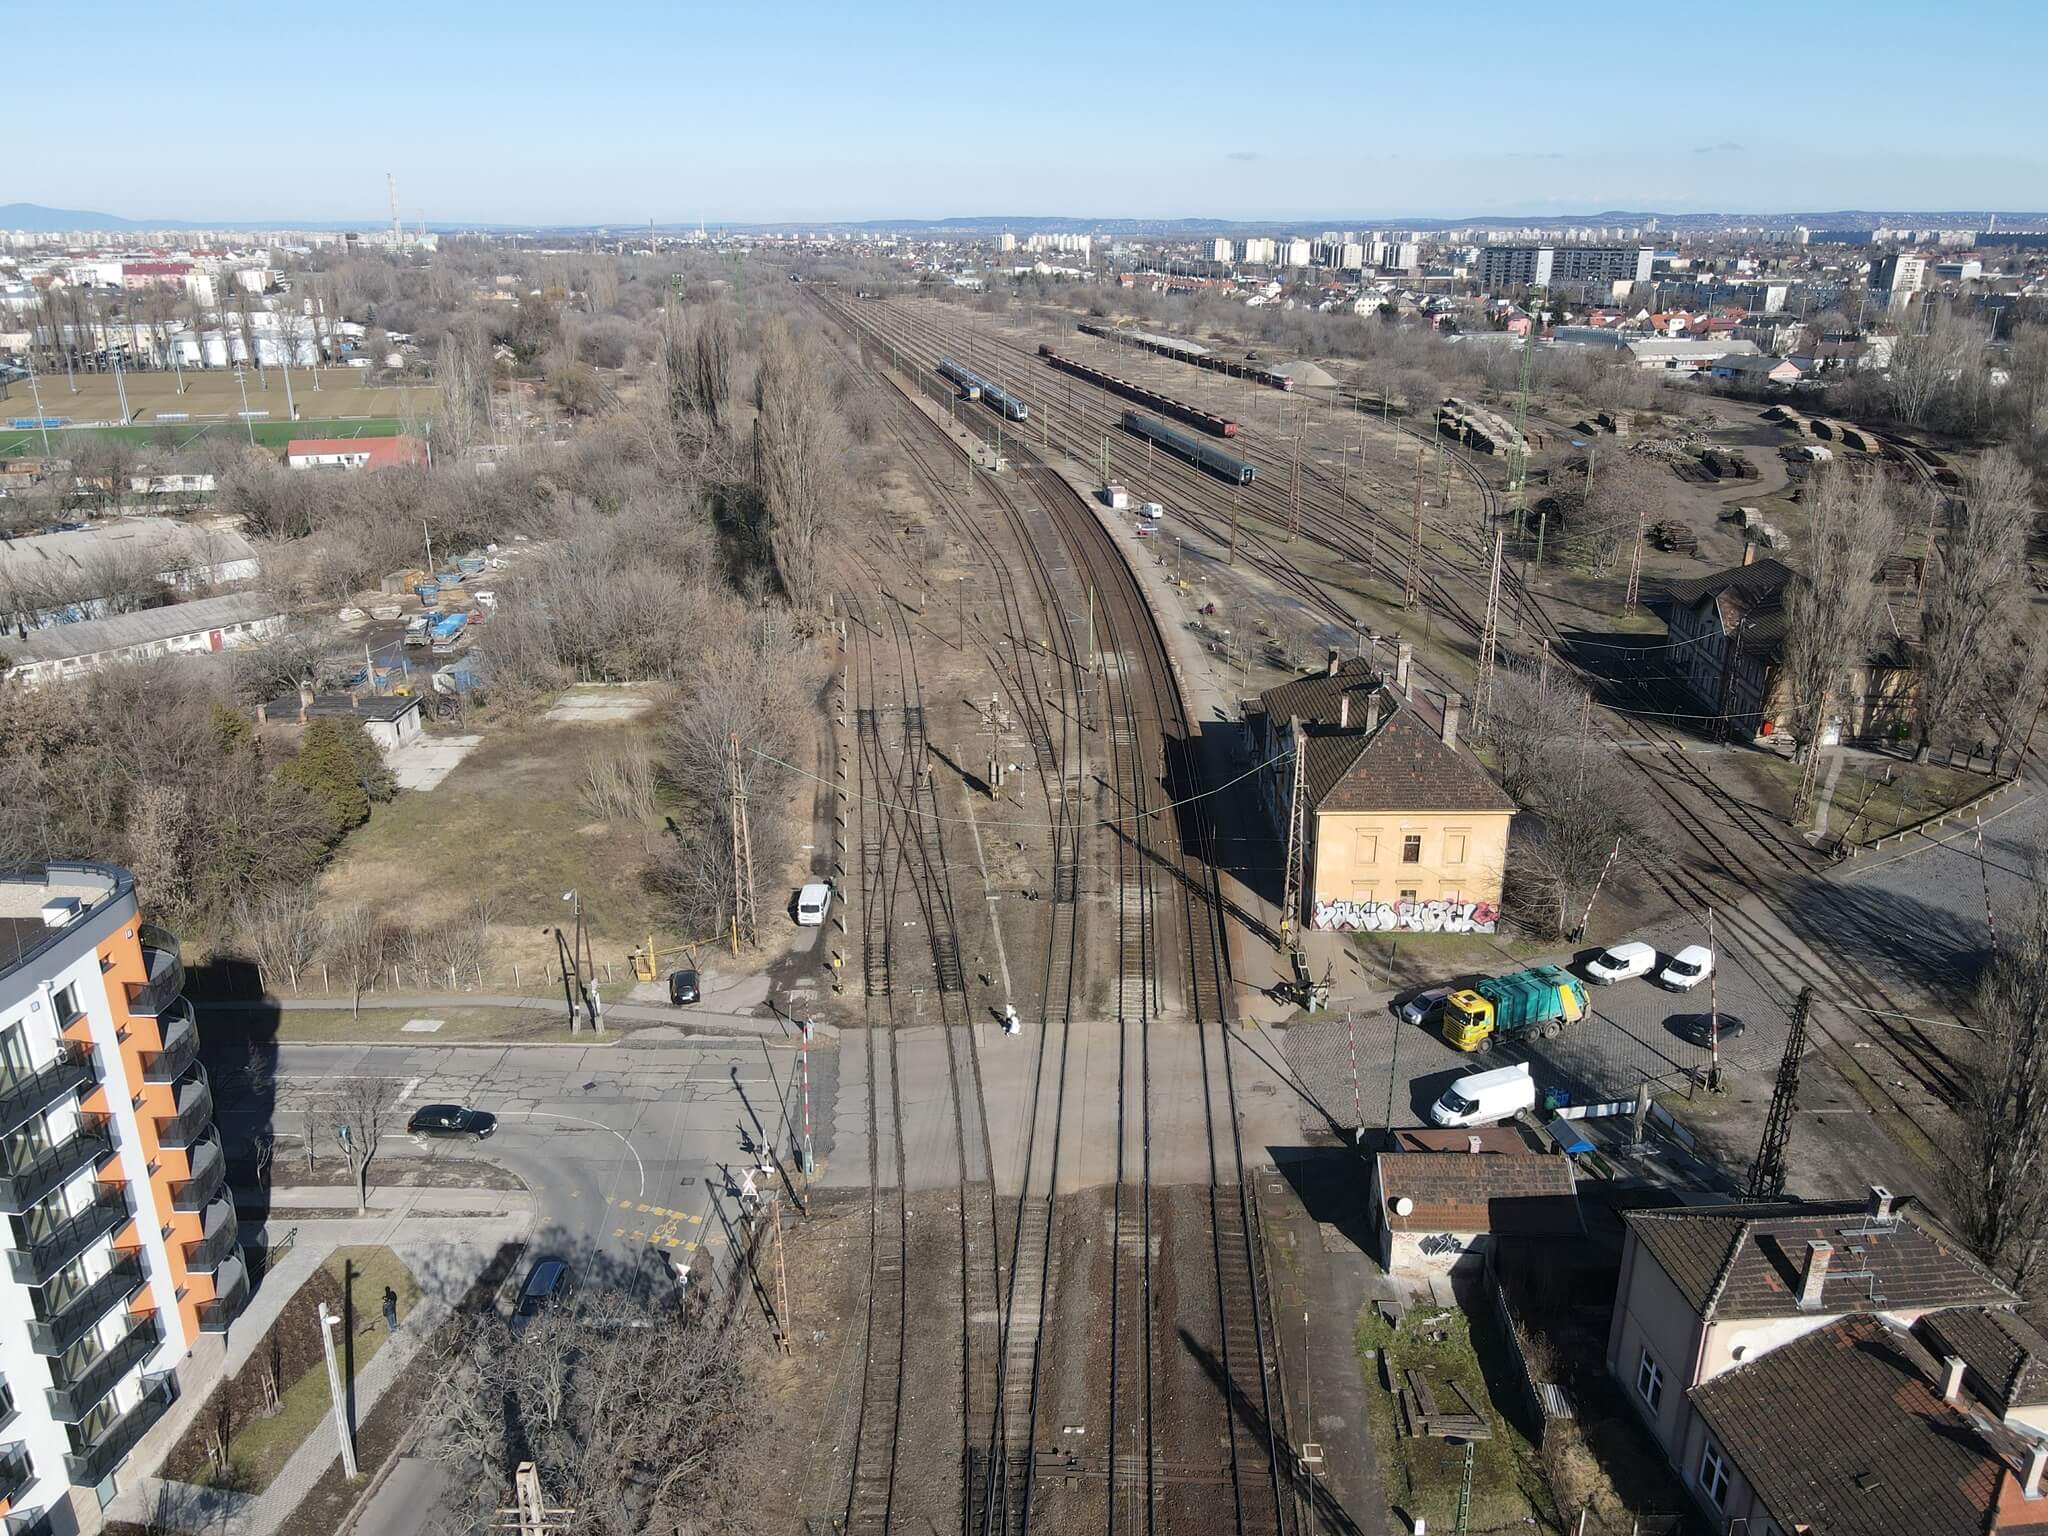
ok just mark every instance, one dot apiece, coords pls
pixel 2005 1353
pixel 1855 1429
pixel 1707 1289
pixel 1727 632
pixel 1404 831
pixel 354 452
pixel 1437 1211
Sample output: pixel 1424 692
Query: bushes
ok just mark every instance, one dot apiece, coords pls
pixel 341 769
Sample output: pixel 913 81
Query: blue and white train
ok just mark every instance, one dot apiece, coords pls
pixel 974 387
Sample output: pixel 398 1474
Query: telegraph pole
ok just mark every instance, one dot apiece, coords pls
pixel 1635 563
pixel 745 924
pixel 1767 1173
pixel 1297 818
pixel 1489 636
pixel 1413 591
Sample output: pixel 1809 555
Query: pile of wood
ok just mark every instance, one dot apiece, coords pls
pixel 1421 1415
pixel 1676 537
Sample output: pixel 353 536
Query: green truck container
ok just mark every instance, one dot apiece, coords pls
pixel 1543 997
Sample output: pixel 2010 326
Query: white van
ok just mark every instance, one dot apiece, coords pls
pixel 1483 1098
pixel 812 903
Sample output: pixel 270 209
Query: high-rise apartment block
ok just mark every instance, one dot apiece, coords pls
pixel 122 1245
pixel 1542 266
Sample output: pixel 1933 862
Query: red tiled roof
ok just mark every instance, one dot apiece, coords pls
pixel 378 452
pixel 1528 1194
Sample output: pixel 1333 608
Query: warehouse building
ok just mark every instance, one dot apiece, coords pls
pixel 1546 266
pixel 90 573
pixel 124 1255
pixel 354 452
pixel 208 625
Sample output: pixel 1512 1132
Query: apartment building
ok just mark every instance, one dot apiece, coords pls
pixel 122 1245
pixel 1542 266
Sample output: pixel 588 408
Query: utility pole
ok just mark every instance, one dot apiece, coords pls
pixel 1489 636
pixel 1714 1083
pixel 1294 484
pixel 328 1323
pixel 804 1061
pixel 1767 1173
pixel 1413 590
pixel 745 924
pixel 533 1515
pixel 781 1276
pixel 1635 563
pixel 1297 828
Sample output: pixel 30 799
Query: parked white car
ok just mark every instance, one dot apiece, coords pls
pixel 1622 962
pixel 1688 968
pixel 812 903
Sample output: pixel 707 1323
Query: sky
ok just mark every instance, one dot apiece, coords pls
pixel 625 110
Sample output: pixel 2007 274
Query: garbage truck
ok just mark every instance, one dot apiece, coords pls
pixel 1544 998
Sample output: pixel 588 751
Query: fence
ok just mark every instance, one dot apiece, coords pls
pixel 236 981
pixel 1542 1401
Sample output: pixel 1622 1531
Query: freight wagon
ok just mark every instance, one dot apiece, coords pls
pixel 974 387
pixel 1193 449
pixel 1188 352
pixel 1164 404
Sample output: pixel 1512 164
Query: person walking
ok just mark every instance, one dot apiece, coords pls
pixel 390 1310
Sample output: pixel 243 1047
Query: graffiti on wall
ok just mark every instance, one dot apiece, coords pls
pixel 1405 916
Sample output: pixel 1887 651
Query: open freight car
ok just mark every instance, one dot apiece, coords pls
pixel 1193 449
pixel 1189 352
pixel 1164 404
pixel 974 387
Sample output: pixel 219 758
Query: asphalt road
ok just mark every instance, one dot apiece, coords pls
pixel 625 1150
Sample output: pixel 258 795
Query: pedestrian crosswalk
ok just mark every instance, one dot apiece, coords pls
pixel 655 1225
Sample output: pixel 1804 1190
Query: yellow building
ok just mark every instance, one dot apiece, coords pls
pixel 1405 832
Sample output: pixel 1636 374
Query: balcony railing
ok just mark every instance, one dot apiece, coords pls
pixel 166 973
pixel 71 1402
pixel 181 1047
pixel 76 1317
pixel 23 1184
pixel 26 1522
pixel 231 1294
pixel 35 1264
pixel 88 1468
pixel 26 1097
pixel 15 1472
pixel 194 1099
pixel 209 1172
pixel 222 1231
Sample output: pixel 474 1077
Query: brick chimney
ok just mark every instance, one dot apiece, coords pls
pixel 1404 656
pixel 1332 662
pixel 1749 551
pixel 1454 706
pixel 1372 710
pixel 1472 1145
pixel 1880 1203
pixel 1818 1254
pixel 1344 712
pixel 1952 1369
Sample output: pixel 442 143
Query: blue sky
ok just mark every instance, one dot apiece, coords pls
pixel 623 110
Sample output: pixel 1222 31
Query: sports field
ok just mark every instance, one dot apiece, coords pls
pixel 342 406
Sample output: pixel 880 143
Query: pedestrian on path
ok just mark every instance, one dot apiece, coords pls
pixel 390 1310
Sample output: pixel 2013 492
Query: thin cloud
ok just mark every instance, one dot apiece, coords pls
pixel 1242 154
pixel 1725 147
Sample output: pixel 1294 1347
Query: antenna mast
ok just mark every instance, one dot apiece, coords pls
pixel 397 229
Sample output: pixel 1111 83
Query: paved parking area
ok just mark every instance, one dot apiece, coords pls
pixel 1635 1033
pixel 425 761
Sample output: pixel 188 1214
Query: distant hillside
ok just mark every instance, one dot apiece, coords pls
pixel 38 220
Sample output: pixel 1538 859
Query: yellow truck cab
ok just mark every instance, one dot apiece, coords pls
pixel 1543 998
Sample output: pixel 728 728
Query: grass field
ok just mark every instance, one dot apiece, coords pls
pixel 259 1450
pixel 342 406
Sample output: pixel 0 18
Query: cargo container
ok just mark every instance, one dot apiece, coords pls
pixel 1543 998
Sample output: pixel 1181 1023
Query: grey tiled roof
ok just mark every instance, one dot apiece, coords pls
pixel 2006 1354
pixel 1743 1261
pixel 1844 1432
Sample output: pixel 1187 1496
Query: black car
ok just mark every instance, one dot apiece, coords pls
pixel 682 988
pixel 1700 1029
pixel 451 1120
pixel 546 1283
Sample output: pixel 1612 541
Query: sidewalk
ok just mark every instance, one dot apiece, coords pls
pixel 184 1506
pixel 395 1203
pixel 687 1023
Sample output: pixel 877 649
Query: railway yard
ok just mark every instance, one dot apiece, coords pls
pixel 1043 1272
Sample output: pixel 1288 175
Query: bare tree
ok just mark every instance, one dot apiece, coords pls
pixel 464 370
pixel 802 450
pixel 628 1405
pixel 1972 591
pixel 2019 684
pixel 1835 605
pixel 1929 363
pixel 282 929
pixel 357 944
pixel 356 1115
pixel 1629 491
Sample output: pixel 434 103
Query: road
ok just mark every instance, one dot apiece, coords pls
pixel 624 1149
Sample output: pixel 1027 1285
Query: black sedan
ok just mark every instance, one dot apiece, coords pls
pixel 1703 1030
pixel 451 1120
pixel 682 988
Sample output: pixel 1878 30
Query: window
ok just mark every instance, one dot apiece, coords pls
pixel 1411 848
pixel 1650 1380
pixel 66 1005
pixel 1408 897
pixel 1713 1477
pixel 1454 847
pixel 1367 850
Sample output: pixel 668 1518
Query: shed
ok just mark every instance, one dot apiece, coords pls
pixel 390 720
pixel 1434 1213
